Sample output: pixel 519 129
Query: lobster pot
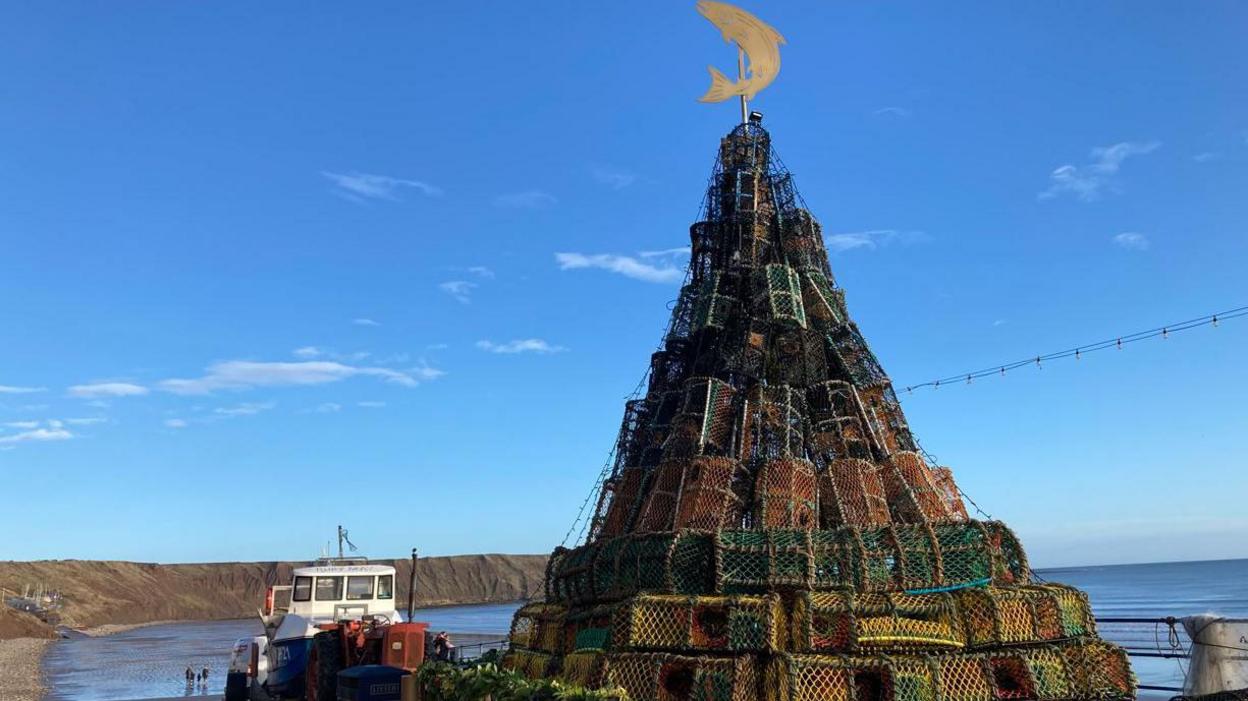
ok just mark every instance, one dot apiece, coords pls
pixel 786 494
pixel 709 499
pixel 916 558
pixel 826 678
pixel 784 295
pixel 775 423
pixel 844 621
pixel 942 477
pixel 912 558
pixel 912 491
pixel 880 406
pixel 625 497
pixel 1098 670
pixel 584 668
pixel 588 628
pixel 647 676
pixel 713 308
pixel 659 508
pixel 539 626
pixel 701 623
pixel 825 304
pixel 851 494
pixel 994 616
pixel 1073 671
pixel 615 568
pixel 760 561
pixel 531 663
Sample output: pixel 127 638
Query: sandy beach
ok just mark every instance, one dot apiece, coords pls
pixel 20 675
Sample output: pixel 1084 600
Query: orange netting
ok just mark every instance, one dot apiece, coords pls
pixel 851 494
pixel 710 498
pixel 785 494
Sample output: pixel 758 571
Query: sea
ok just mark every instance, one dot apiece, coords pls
pixel 150 662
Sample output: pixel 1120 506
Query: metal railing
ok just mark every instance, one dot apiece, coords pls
pixel 1153 638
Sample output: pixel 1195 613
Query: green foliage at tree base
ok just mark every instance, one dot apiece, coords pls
pixel 439 681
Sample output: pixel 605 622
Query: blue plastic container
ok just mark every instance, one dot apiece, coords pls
pixel 371 682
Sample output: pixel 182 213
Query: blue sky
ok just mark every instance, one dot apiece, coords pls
pixel 272 268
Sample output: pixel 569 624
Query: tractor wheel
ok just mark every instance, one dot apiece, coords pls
pixel 324 663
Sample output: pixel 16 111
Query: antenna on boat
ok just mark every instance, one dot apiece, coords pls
pixel 343 538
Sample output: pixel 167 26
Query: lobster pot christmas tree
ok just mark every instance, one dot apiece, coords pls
pixel 769 529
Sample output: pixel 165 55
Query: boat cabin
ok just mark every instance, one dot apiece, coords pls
pixel 335 592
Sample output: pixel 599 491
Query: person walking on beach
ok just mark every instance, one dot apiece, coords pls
pixel 190 677
pixel 205 677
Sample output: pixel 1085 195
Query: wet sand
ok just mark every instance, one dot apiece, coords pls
pixel 20 675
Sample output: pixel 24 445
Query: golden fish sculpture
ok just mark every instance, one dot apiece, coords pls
pixel 755 39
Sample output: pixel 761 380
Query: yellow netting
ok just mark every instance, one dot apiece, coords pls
pixel 1029 613
pixel 702 623
pixel 663 677
pixel 530 663
pixel 539 626
pixel 847 622
pixel 1093 670
pixel 585 668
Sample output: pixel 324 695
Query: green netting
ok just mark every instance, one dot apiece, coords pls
pixel 916 558
pixel 784 292
pixel 825 302
pixel 592 639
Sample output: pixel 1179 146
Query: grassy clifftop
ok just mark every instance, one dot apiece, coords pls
pixel 98 592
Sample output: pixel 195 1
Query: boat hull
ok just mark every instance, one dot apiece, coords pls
pixel 288 667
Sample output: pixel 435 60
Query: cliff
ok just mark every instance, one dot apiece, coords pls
pixel 99 592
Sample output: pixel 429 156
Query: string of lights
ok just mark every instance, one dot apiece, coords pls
pixel 1078 352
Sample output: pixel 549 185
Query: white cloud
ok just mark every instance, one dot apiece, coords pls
pixel 1206 157
pixel 86 421
pixel 892 112
pixel 175 423
pixel 247 374
pixel 614 178
pixel 531 199
pixel 38 435
pixel 365 322
pixel 1132 241
pixel 528 345
pixel 481 271
pixel 677 253
pixel 623 265
pixel 327 408
pixel 461 290
pixel 107 389
pixel 10 389
pixel 22 424
pixel 370 405
pixel 308 352
pixel 874 238
pixel 1088 181
pixel 357 186
pixel 245 409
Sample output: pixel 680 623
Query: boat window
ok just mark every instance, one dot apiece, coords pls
pixel 385 586
pixel 359 588
pixel 328 588
pixel 303 589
